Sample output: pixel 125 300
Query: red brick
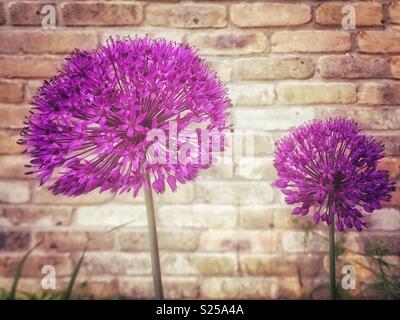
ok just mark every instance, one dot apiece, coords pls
pixel 13 116
pixel 29 66
pixel 8 142
pixel 11 91
pixel 379 41
pixel 394 12
pixel 367 14
pixel 2 14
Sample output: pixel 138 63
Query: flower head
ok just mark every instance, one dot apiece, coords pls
pixel 91 122
pixel 332 167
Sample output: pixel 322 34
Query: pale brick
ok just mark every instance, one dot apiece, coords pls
pixel 13 166
pixel 46 42
pixel 43 196
pixel 174 287
pixel 239 240
pixel 354 67
pixel 311 41
pixel 299 241
pixel 11 91
pixel 392 165
pixel 379 41
pixel 198 216
pixel 186 15
pixel 255 168
pixel 221 170
pixel 221 67
pixel 385 219
pixel 316 93
pixel 14 191
pixel 168 239
pixel 233 192
pixel 101 14
pixel 183 194
pixel 254 143
pixel 251 94
pixel 14 240
pixel 394 12
pixel 28 13
pixel 386 93
pixel 8 142
pixel 395 66
pixel 271 118
pixel 198 264
pixel 33 266
pixel 13 116
pixel 382 118
pixel 115 263
pixel 239 288
pixel 110 215
pixel 269 14
pixel 239 43
pixel 28 66
pixel 69 241
pixel 278 265
pixel 367 14
pixel 262 217
pixel 40 216
pixel 260 68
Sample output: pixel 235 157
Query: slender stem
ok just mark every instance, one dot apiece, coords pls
pixel 153 242
pixel 332 258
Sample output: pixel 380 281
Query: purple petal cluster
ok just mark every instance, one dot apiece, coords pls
pixel 88 124
pixel 329 167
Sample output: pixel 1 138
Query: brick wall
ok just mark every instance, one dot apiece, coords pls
pixel 228 235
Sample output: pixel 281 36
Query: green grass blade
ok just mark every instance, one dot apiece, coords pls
pixel 71 283
pixel 18 272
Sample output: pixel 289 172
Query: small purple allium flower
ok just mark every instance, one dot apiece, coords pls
pixel 89 123
pixel 330 166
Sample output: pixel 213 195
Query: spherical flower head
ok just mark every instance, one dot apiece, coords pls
pixel 330 167
pixel 106 116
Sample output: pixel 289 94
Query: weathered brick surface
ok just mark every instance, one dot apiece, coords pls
pixel 46 42
pixel 355 67
pixel 229 43
pixel 269 14
pixel 367 14
pixel 186 16
pixel 14 192
pixel 311 41
pixel 379 41
pixel 228 234
pixel 28 66
pixel 394 12
pixel 27 13
pixel 274 68
pixel 316 93
pixel 11 91
pixel 101 14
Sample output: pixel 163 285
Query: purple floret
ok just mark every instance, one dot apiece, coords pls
pixel 329 167
pixel 89 123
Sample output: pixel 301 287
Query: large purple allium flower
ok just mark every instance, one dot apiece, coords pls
pixel 89 124
pixel 330 166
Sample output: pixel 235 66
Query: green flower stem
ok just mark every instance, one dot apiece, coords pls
pixel 332 258
pixel 153 242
